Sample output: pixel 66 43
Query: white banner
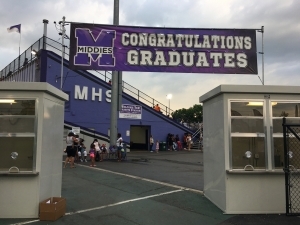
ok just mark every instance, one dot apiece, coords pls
pixel 131 112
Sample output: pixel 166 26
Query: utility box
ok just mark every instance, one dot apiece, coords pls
pixel 52 209
pixel 162 146
pixel 243 147
pixel 31 130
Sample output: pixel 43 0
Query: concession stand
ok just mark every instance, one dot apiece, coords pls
pixel 243 146
pixel 31 131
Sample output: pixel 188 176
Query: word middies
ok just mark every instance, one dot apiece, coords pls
pixel 94 50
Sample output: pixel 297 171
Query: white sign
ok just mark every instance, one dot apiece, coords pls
pixel 76 130
pixel 131 112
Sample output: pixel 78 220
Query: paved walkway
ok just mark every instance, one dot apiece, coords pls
pixel 144 190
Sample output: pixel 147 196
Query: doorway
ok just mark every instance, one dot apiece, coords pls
pixel 139 137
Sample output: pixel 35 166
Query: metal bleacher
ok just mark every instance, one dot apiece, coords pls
pixel 22 69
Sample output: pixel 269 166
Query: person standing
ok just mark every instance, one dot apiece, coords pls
pixel 184 141
pixel 157 146
pixel 189 142
pixel 70 150
pixel 151 143
pixel 119 146
pixel 76 147
pixel 98 151
pixel 92 154
pixel 178 142
pixel 82 150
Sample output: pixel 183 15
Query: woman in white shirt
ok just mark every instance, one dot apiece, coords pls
pixel 70 150
pixel 119 146
pixel 151 143
pixel 98 151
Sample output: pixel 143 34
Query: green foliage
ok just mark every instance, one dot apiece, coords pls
pixel 191 115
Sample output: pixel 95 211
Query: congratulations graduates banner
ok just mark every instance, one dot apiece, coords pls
pixel 152 49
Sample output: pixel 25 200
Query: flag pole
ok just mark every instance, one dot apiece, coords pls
pixel 16 28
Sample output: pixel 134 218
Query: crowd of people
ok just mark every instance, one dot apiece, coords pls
pixel 77 151
pixel 173 143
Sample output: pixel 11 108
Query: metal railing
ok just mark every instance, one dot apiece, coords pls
pixel 21 62
pixel 17 67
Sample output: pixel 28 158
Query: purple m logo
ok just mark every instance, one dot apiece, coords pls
pixel 94 47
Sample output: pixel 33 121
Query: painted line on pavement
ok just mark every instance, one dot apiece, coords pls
pixel 109 205
pixel 21 223
pixel 132 200
pixel 145 179
pixel 106 206
pixel 123 202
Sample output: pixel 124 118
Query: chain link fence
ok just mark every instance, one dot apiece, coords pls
pixel 291 135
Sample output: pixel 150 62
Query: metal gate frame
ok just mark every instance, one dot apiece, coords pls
pixel 291 140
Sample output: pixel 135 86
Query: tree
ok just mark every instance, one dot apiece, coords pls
pixel 191 115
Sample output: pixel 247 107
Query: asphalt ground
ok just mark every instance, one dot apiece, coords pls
pixel 148 188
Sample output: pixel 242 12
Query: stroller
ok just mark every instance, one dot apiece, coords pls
pixel 174 146
pixel 112 152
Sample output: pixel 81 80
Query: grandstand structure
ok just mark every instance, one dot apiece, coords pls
pixel 89 93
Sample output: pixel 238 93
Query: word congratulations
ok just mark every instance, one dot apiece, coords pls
pixel 188 50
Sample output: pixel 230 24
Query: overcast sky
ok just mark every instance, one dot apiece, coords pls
pixel 281 20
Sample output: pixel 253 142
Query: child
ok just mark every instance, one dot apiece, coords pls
pixel 82 150
pixel 92 154
pixel 179 145
pixel 151 143
pixel 157 146
pixel 79 156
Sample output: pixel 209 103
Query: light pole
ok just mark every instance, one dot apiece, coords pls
pixel 169 96
pixel 63 32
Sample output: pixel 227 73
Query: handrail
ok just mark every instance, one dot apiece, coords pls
pixel 55 46
pixel 196 133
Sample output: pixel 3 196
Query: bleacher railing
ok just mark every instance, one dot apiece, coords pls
pixel 16 67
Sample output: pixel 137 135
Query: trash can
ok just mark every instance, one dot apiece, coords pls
pixel 162 146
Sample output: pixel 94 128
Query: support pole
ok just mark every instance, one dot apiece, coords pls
pixel 45 34
pixel 262 58
pixel 19 52
pixel 63 30
pixel 262 55
pixel 114 89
